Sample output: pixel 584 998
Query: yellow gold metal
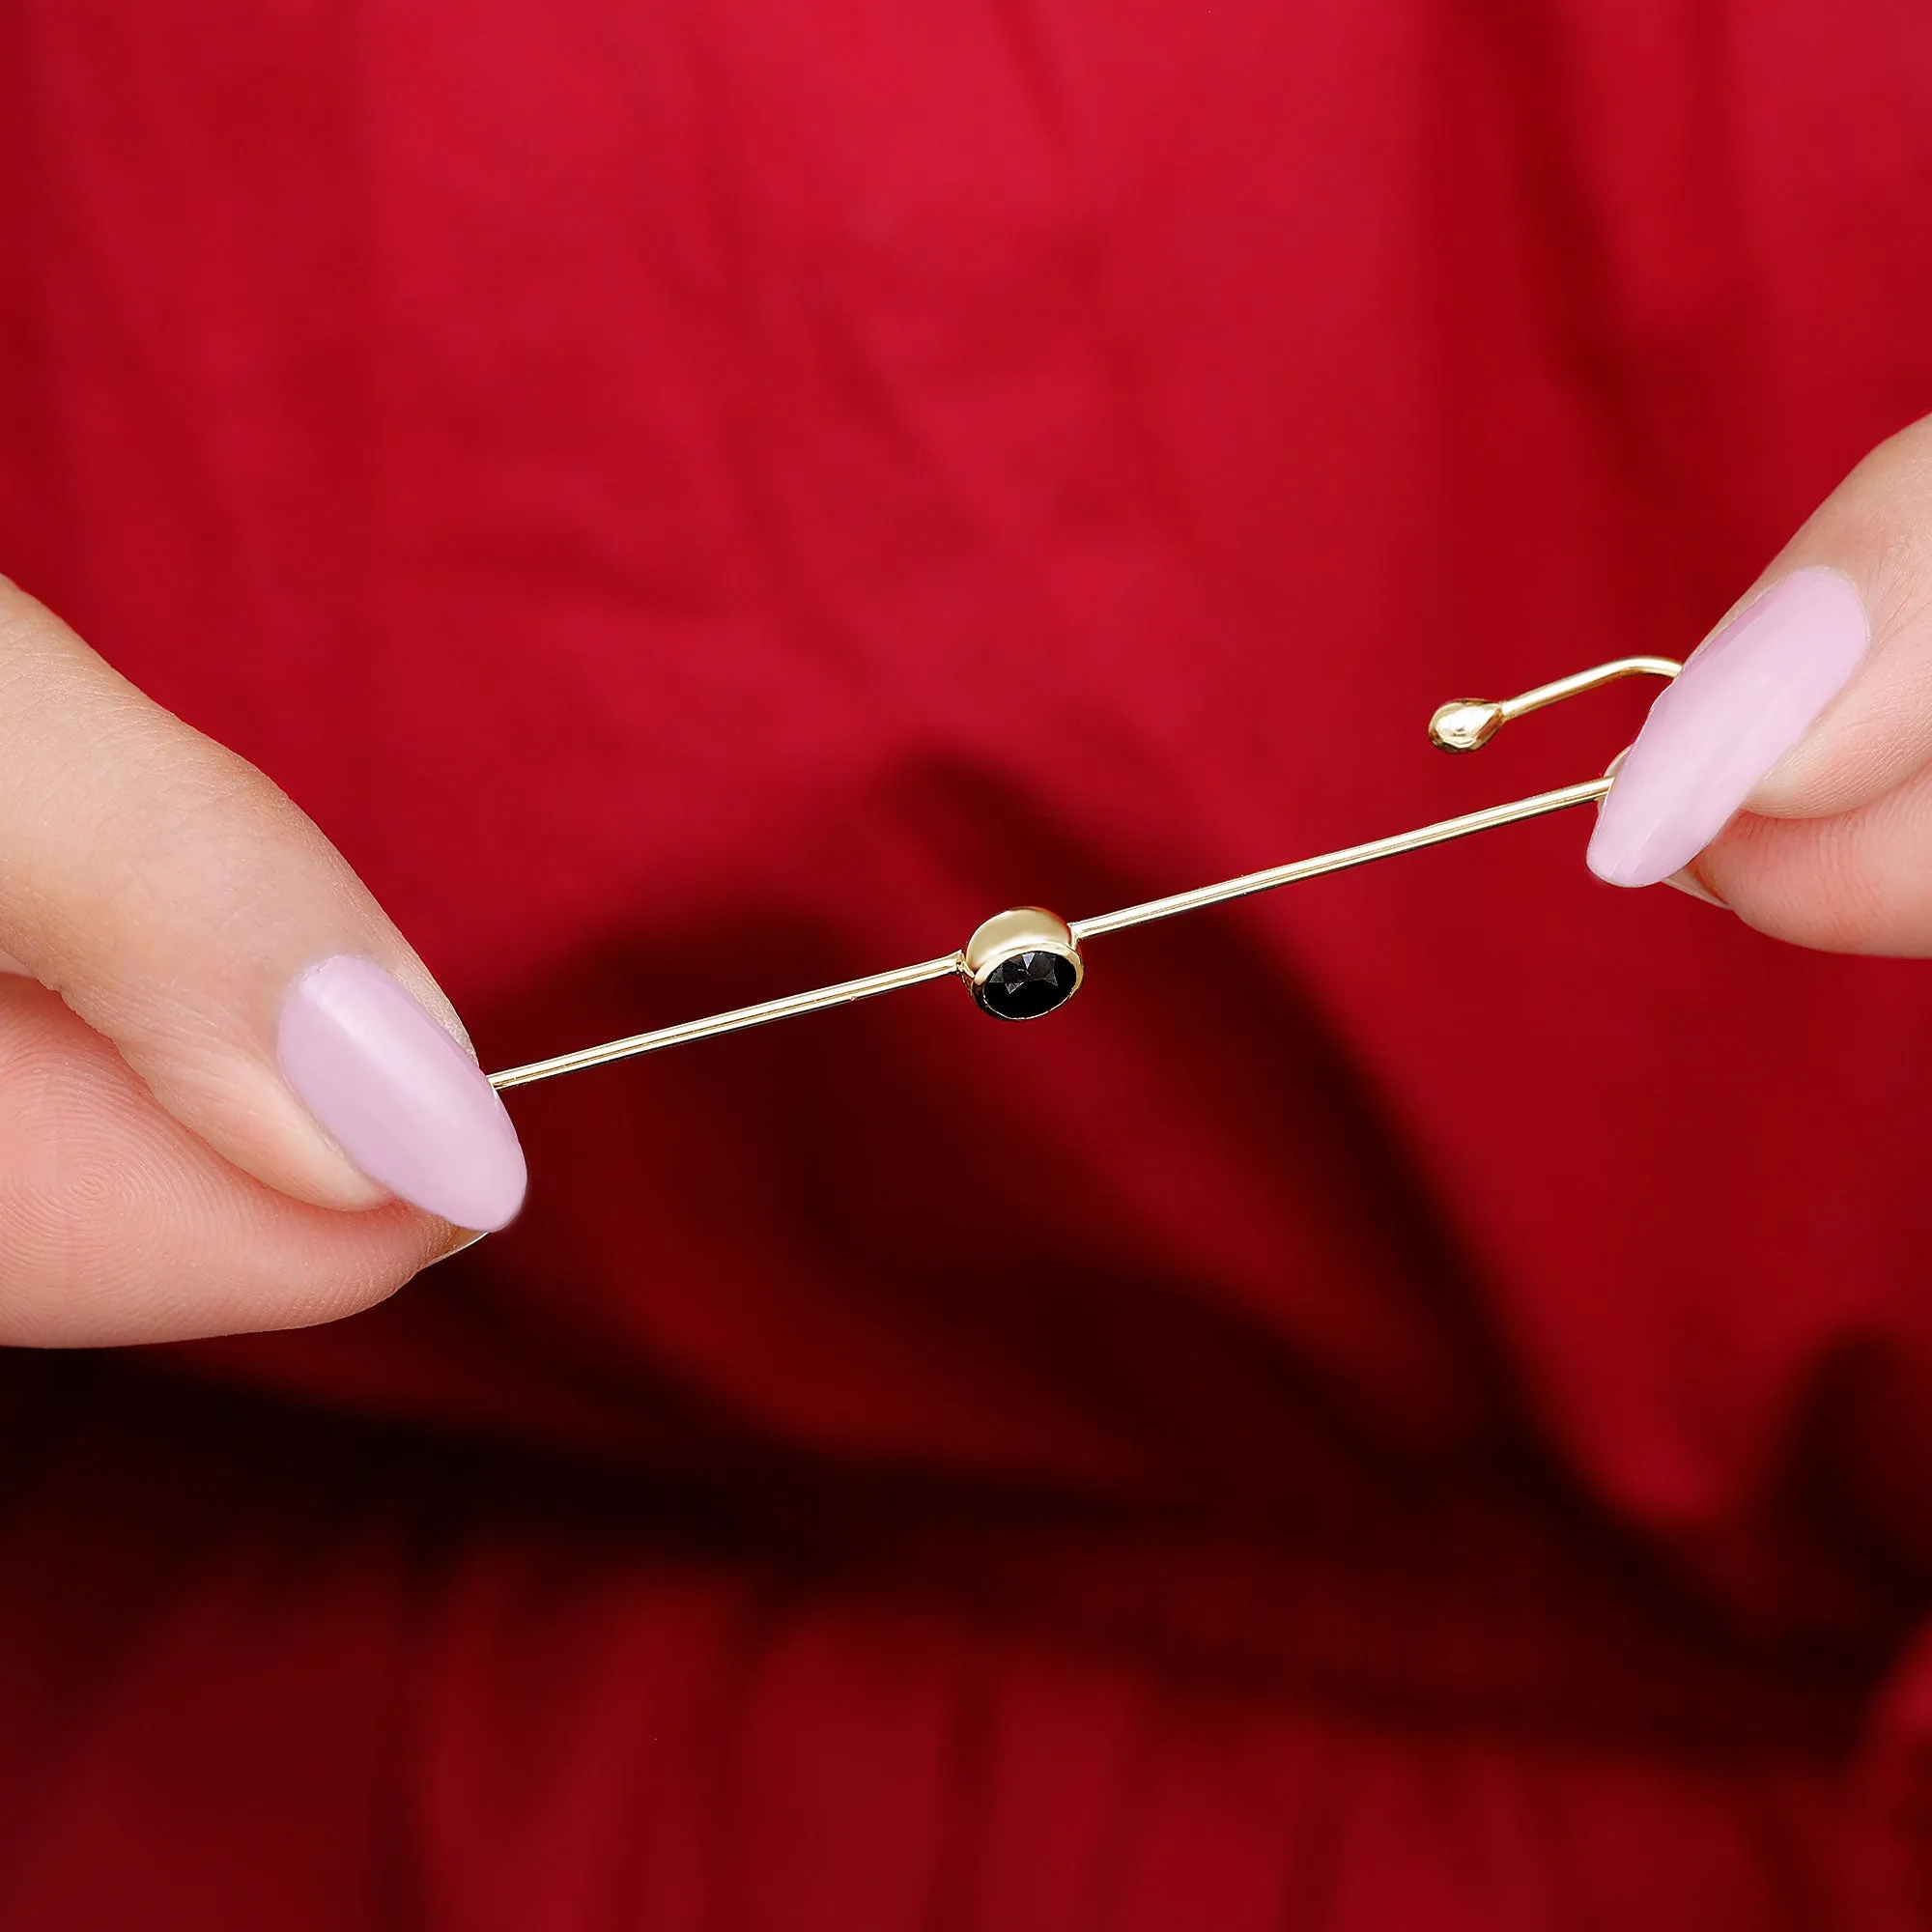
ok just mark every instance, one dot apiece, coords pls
pixel 1464 726
pixel 1468 724
pixel 1292 873
pixel 840 995
pixel 1008 935
pixel 1024 928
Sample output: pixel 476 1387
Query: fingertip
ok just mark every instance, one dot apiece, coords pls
pixel 118 1225
pixel 399 1094
pixel 1749 694
pixel 1631 856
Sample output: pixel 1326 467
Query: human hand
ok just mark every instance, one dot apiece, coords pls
pixel 1809 715
pixel 204 1057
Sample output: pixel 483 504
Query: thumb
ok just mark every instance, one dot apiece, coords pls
pixel 1788 769
pixel 184 908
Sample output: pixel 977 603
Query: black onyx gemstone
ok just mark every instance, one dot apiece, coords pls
pixel 1027 985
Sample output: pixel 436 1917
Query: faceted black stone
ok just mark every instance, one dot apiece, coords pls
pixel 1027 985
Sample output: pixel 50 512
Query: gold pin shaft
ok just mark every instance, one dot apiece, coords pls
pixel 1460 726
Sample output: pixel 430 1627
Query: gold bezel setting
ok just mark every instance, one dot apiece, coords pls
pixel 1022 964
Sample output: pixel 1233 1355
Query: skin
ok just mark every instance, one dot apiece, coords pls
pixel 1834 848
pixel 158 894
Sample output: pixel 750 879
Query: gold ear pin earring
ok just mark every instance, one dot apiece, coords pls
pixel 1024 964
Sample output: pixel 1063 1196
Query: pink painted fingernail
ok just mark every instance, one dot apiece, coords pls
pixel 400 1097
pixel 1744 701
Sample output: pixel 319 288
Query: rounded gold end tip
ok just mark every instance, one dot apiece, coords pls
pixel 1466 725
pixel 1023 963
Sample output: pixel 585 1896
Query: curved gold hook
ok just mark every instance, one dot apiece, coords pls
pixel 1021 964
pixel 1468 724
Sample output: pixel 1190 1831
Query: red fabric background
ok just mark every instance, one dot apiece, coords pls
pixel 1410 1404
